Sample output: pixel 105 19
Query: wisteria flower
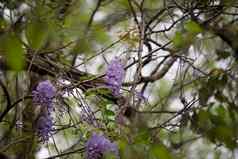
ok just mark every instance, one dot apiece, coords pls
pixel 44 94
pixel 98 145
pixel 44 127
pixel 114 76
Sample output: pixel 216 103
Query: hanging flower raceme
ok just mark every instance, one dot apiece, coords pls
pixel 98 145
pixel 44 94
pixel 114 76
pixel 44 127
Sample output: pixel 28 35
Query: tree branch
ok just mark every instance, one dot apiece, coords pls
pixel 80 150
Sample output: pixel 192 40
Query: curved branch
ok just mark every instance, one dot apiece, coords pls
pixel 4 113
pixel 158 75
pixel 80 150
pixel 4 88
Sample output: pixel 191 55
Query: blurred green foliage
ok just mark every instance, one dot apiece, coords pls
pixel 190 109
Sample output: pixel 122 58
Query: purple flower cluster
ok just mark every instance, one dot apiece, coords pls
pixel 44 127
pixel 114 76
pixel 43 96
pixel 98 145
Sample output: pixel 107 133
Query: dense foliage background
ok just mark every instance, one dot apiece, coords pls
pixel 178 98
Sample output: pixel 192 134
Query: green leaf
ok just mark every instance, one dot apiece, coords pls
pixel 99 34
pixel 203 118
pixel 122 144
pixel 143 136
pixel 178 40
pixel 224 135
pixel 132 151
pixel 84 46
pixel 94 91
pixel 183 40
pixel 159 152
pixel 37 33
pixel 164 88
pixel 153 4
pixel 201 122
pixel 109 112
pixel 193 27
pixel 123 3
pixel 14 51
pixel 204 94
pixel 109 155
